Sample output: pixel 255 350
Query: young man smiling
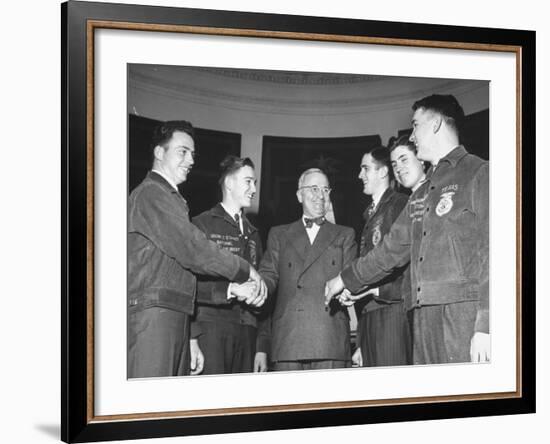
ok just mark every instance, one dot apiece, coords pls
pixel 383 333
pixel 445 236
pixel 232 333
pixel 164 252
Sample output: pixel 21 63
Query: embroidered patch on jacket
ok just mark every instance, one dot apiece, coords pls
pixel 445 204
pixel 252 252
pixel 376 235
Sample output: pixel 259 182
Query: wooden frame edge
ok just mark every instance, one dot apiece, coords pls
pixel 92 25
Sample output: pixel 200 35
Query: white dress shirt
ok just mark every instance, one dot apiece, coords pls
pixel 311 232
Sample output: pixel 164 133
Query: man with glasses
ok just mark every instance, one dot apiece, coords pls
pixel 164 252
pixel 300 257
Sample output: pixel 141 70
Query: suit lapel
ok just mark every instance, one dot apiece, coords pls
pixel 325 236
pixel 386 197
pixel 297 238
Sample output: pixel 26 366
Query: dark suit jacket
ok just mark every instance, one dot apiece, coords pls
pixel 295 273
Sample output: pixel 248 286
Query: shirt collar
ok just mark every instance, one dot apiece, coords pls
pixel 419 184
pixel 240 213
pixel 376 197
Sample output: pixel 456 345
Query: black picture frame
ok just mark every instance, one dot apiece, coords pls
pixel 79 19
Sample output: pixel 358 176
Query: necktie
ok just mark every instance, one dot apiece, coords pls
pixel 238 220
pixel 316 220
pixel 371 208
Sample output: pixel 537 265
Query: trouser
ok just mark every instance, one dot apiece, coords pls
pixel 385 337
pixel 442 333
pixel 227 347
pixel 158 343
pixel 310 364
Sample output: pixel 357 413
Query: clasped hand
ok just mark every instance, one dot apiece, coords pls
pixel 252 292
pixel 335 289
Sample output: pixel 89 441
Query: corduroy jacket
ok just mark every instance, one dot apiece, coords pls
pixel 444 232
pixel 165 250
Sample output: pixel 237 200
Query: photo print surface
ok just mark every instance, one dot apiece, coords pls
pixel 296 221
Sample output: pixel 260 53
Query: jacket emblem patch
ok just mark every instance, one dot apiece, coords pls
pixel 252 252
pixel 445 204
pixel 376 235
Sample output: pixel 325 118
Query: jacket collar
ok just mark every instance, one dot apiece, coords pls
pixel 385 198
pixel 455 155
pixel 219 211
pixel 452 158
pixel 156 177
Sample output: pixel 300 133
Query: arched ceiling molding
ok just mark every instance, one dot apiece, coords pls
pixel 287 77
pixel 313 106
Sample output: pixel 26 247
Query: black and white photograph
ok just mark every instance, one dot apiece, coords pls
pixel 283 221
pixel 275 222
pixel 280 222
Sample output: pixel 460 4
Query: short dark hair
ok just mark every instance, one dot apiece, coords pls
pixel 164 131
pixel 231 164
pixel 381 157
pixel 446 105
pixel 403 141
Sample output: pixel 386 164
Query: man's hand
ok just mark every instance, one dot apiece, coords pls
pixel 197 358
pixel 480 347
pixel 357 358
pixel 261 295
pixel 347 299
pixel 243 291
pixel 332 288
pixel 260 362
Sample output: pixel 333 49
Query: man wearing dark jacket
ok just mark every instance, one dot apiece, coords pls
pixel 444 233
pixel 383 332
pixel 232 335
pixel 164 250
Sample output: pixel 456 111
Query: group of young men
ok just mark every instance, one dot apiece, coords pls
pixel 203 296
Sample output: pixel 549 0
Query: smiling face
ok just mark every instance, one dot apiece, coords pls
pixel 424 125
pixel 241 186
pixel 372 175
pixel 175 159
pixel 314 202
pixel 407 168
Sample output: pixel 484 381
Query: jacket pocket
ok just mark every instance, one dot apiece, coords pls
pixel 458 255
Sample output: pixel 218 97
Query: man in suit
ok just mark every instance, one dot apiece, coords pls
pixel 300 257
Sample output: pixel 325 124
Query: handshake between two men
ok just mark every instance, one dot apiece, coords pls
pixel 335 289
pixel 252 292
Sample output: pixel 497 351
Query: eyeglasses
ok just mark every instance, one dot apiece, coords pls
pixel 316 190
